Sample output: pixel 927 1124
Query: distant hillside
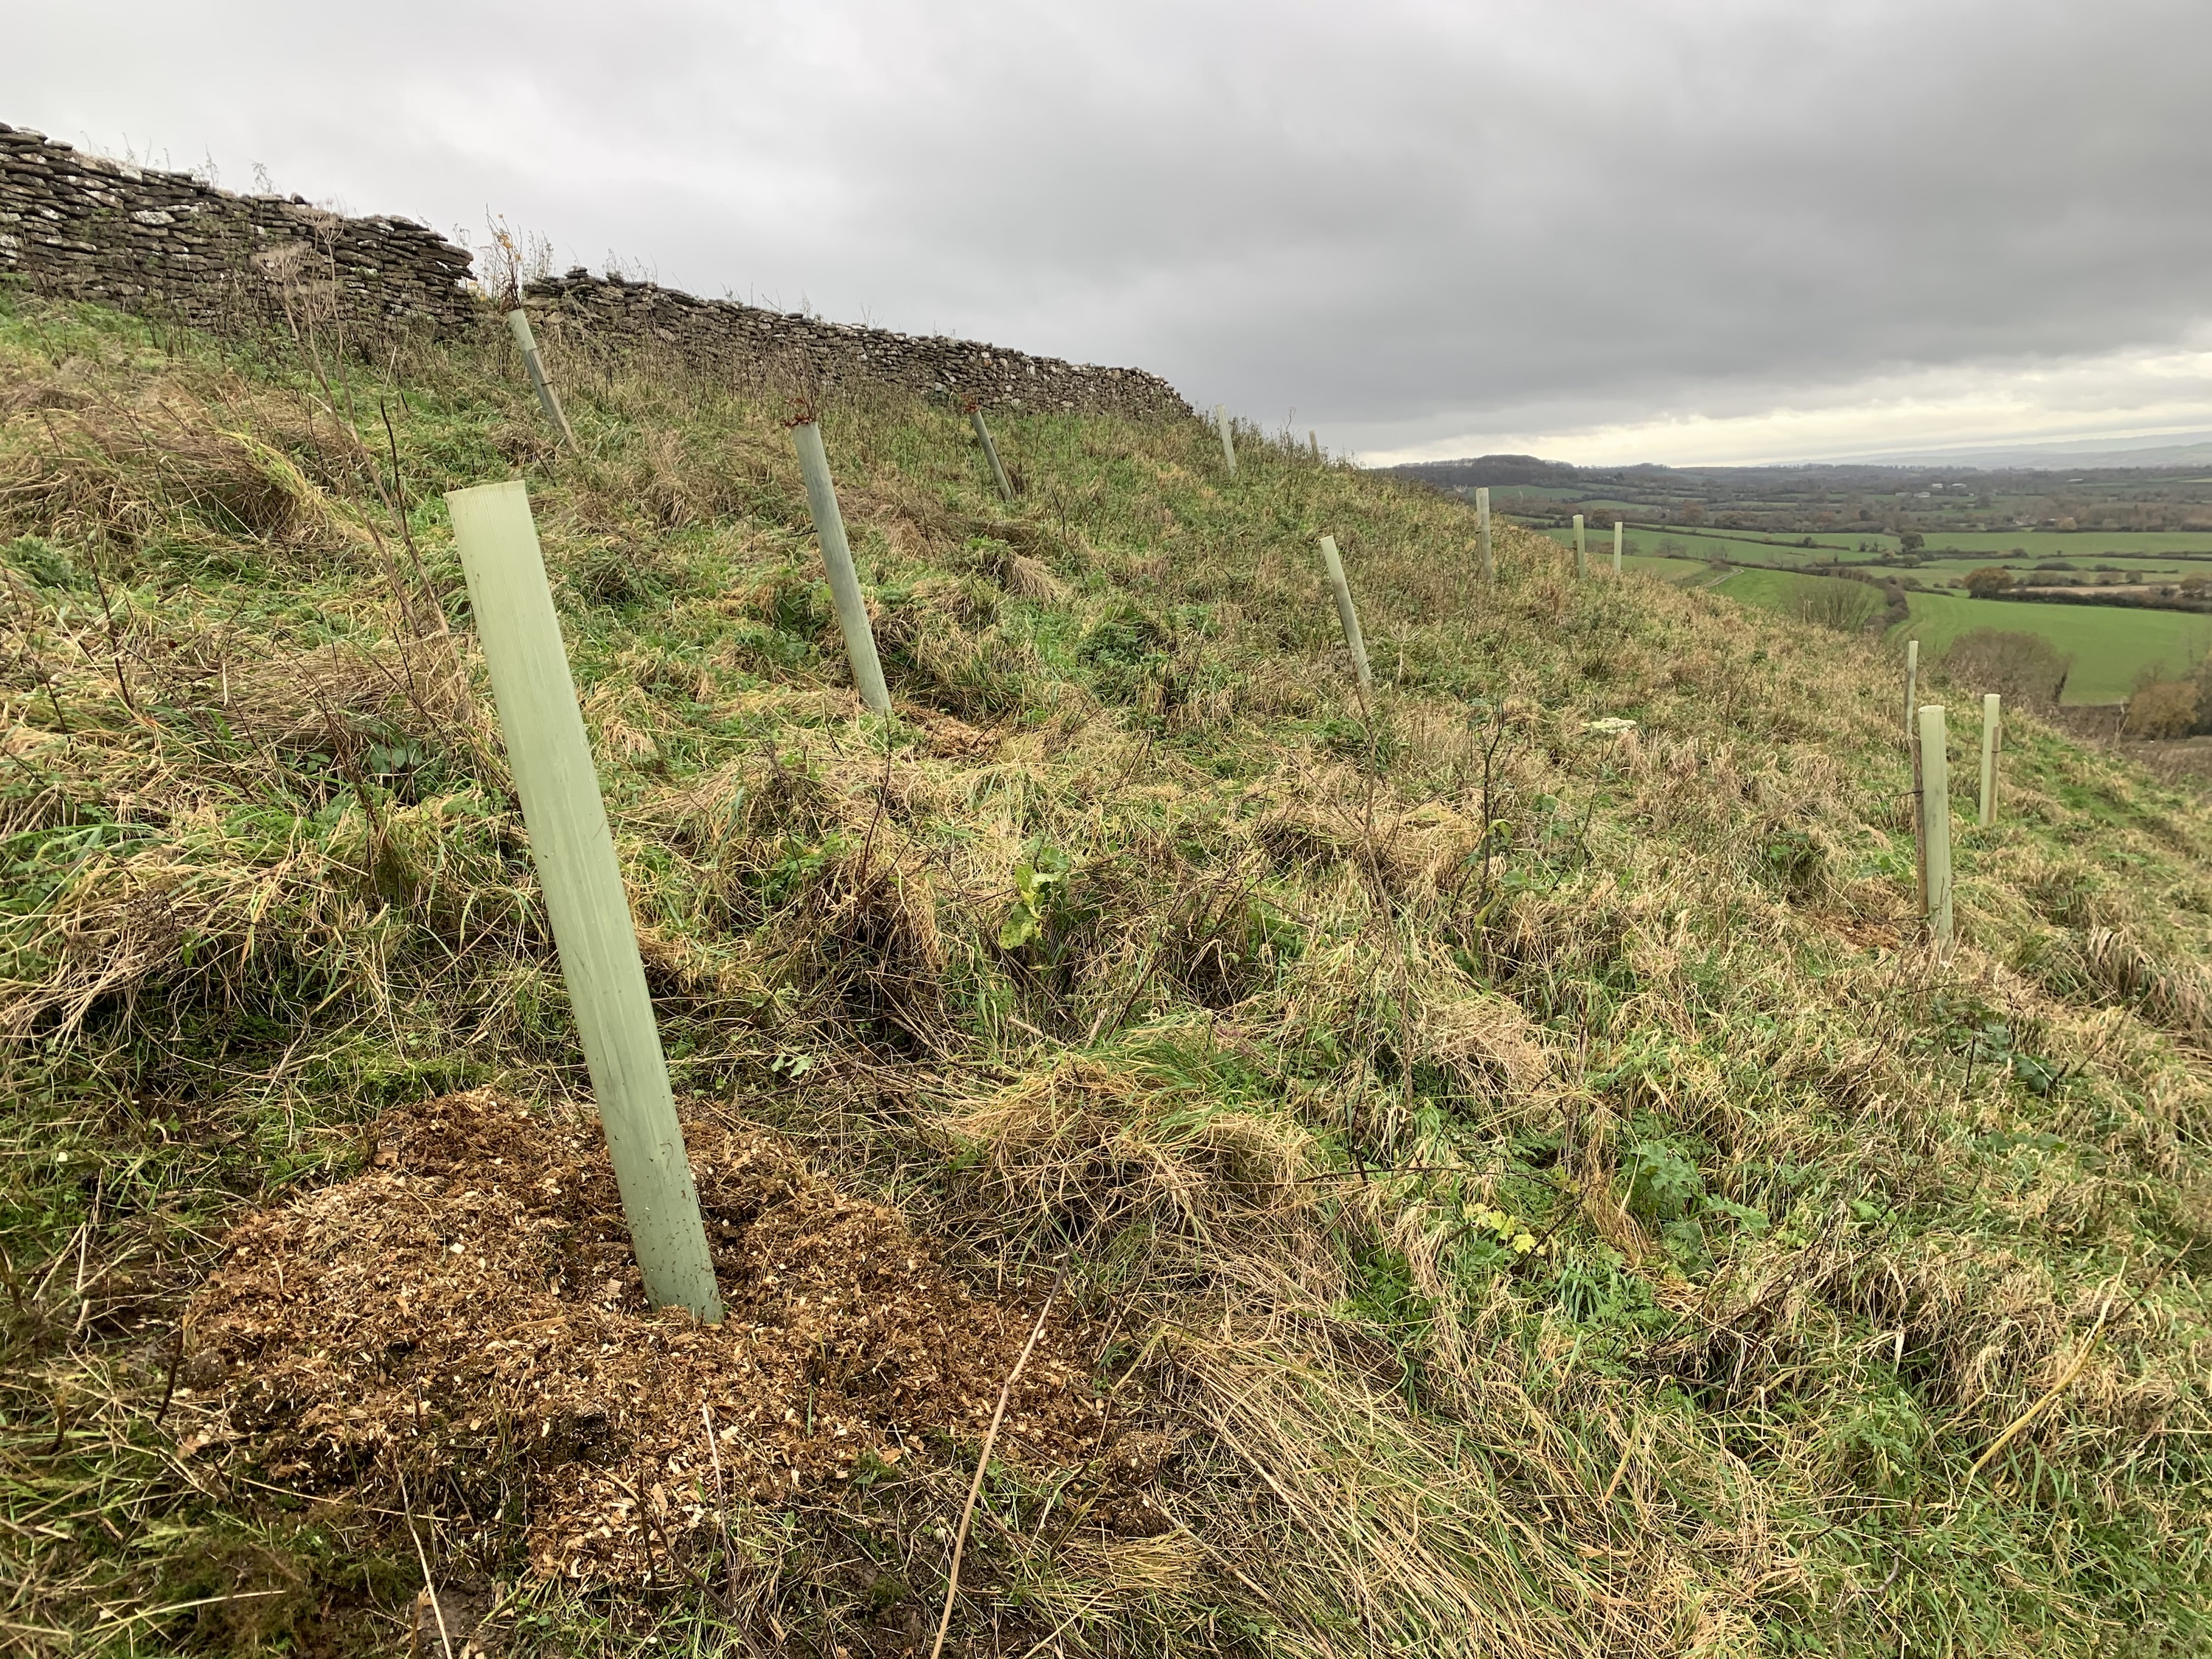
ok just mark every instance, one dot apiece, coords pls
pixel 2187 450
pixel 1491 471
pixel 1907 473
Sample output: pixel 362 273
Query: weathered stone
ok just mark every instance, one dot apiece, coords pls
pixel 245 259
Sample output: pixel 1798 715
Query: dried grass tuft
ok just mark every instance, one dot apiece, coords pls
pixel 2175 996
pixel 1088 1148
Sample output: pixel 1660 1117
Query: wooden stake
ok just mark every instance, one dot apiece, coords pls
pixel 575 853
pixel 1582 549
pixel 837 559
pixel 1616 547
pixel 1911 686
pixel 1935 821
pixel 1335 566
pixel 1228 441
pixel 991 452
pixel 1482 532
pixel 1919 837
pixel 1989 738
pixel 518 320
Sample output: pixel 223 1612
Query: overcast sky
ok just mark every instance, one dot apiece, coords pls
pixel 1600 230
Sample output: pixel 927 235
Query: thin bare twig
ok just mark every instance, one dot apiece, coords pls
pixel 983 1462
pixel 429 1588
pixel 722 1512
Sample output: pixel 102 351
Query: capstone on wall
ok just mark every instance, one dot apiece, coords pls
pixel 167 245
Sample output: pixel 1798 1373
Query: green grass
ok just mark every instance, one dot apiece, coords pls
pixel 2112 649
pixel 1750 547
pixel 2086 570
pixel 2084 546
pixel 1679 572
pixel 1786 591
pixel 2149 551
pixel 1528 1172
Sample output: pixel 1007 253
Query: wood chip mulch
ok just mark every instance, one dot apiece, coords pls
pixel 468 1311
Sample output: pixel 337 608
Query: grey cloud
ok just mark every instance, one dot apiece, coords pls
pixel 1404 220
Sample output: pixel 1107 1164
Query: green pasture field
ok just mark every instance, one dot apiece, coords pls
pixel 2081 545
pixel 2111 647
pixel 1679 573
pixel 1941 569
pixel 1831 549
pixel 1828 545
pixel 1788 592
pixel 2160 551
pixel 1652 541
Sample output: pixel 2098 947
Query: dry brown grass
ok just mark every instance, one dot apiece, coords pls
pixel 1335 1004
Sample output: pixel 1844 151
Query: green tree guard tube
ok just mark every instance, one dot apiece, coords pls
pixel 991 452
pixel 1989 738
pixel 1344 613
pixel 844 582
pixel 518 320
pixel 1935 821
pixel 575 854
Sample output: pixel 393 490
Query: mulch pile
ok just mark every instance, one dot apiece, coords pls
pixel 468 1311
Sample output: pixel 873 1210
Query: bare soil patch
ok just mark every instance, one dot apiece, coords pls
pixel 466 1314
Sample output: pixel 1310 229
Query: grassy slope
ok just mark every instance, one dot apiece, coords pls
pixel 1730 1228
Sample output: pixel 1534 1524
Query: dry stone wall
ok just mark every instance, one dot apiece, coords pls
pixel 164 244
pixel 167 245
pixel 806 355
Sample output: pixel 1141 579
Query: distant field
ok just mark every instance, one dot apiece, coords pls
pixel 1676 571
pixel 1667 542
pixel 1940 568
pixel 2077 544
pixel 1828 545
pixel 1788 592
pixel 2111 647
pixel 1777 589
pixel 2147 557
pixel 2149 551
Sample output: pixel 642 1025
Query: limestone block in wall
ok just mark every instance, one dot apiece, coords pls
pixel 87 227
pixel 121 221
